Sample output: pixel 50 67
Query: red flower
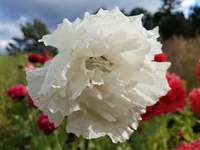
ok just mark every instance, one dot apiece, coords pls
pixel 46 53
pixel 195 145
pixel 17 92
pixel 175 99
pixel 44 124
pixel 160 57
pixel 194 98
pixel 29 65
pixel 198 70
pixel 30 102
pixel 34 58
pixel 181 134
pixel 183 146
pixel 44 59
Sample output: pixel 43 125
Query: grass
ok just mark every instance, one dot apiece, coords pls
pixel 184 55
pixel 11 74
pixel 18 129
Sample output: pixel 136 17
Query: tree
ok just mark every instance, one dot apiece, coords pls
pixel 146 19
pixel 170 22
pixel 32 32
pixel 194 20
pixel 169 6
pixel 174 24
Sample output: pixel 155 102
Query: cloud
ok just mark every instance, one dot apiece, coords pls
pixel 53 12
pixel 3 44
pixel 9 30
pixel 14 13
pixel 185 6
pixel 187 3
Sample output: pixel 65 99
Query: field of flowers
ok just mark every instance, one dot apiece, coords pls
pixel 172 123
pixel 23 126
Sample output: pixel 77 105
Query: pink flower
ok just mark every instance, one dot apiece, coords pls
pixel 44 124
pixel 198 70
pixel 175 99
pixel 160 57
pixel 29 65
pixel 17 92
pixel 30 102
pixel 34 58
pixel 194 98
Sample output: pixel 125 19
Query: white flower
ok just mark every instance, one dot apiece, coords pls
pixel 103 76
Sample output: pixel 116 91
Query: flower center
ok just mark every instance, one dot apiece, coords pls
pixel 100 62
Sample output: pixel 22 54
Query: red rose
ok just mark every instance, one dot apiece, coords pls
pixel 34 58
pixel 194 98
pixel 44 124
pixel 160 57
pixel 173 101
pixel 17 92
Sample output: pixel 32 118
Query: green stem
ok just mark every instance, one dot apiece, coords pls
pixel 86 146
pixel 57 141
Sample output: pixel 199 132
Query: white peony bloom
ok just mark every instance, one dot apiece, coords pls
pixel 103 77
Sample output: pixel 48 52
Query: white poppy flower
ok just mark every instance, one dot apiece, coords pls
pixel 103 77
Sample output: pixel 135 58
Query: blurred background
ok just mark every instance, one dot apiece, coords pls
pixel 163 13
pixel 23 22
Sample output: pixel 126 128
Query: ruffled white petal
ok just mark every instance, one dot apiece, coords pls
pixel 103 77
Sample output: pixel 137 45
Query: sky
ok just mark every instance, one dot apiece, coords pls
pixel 14 13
